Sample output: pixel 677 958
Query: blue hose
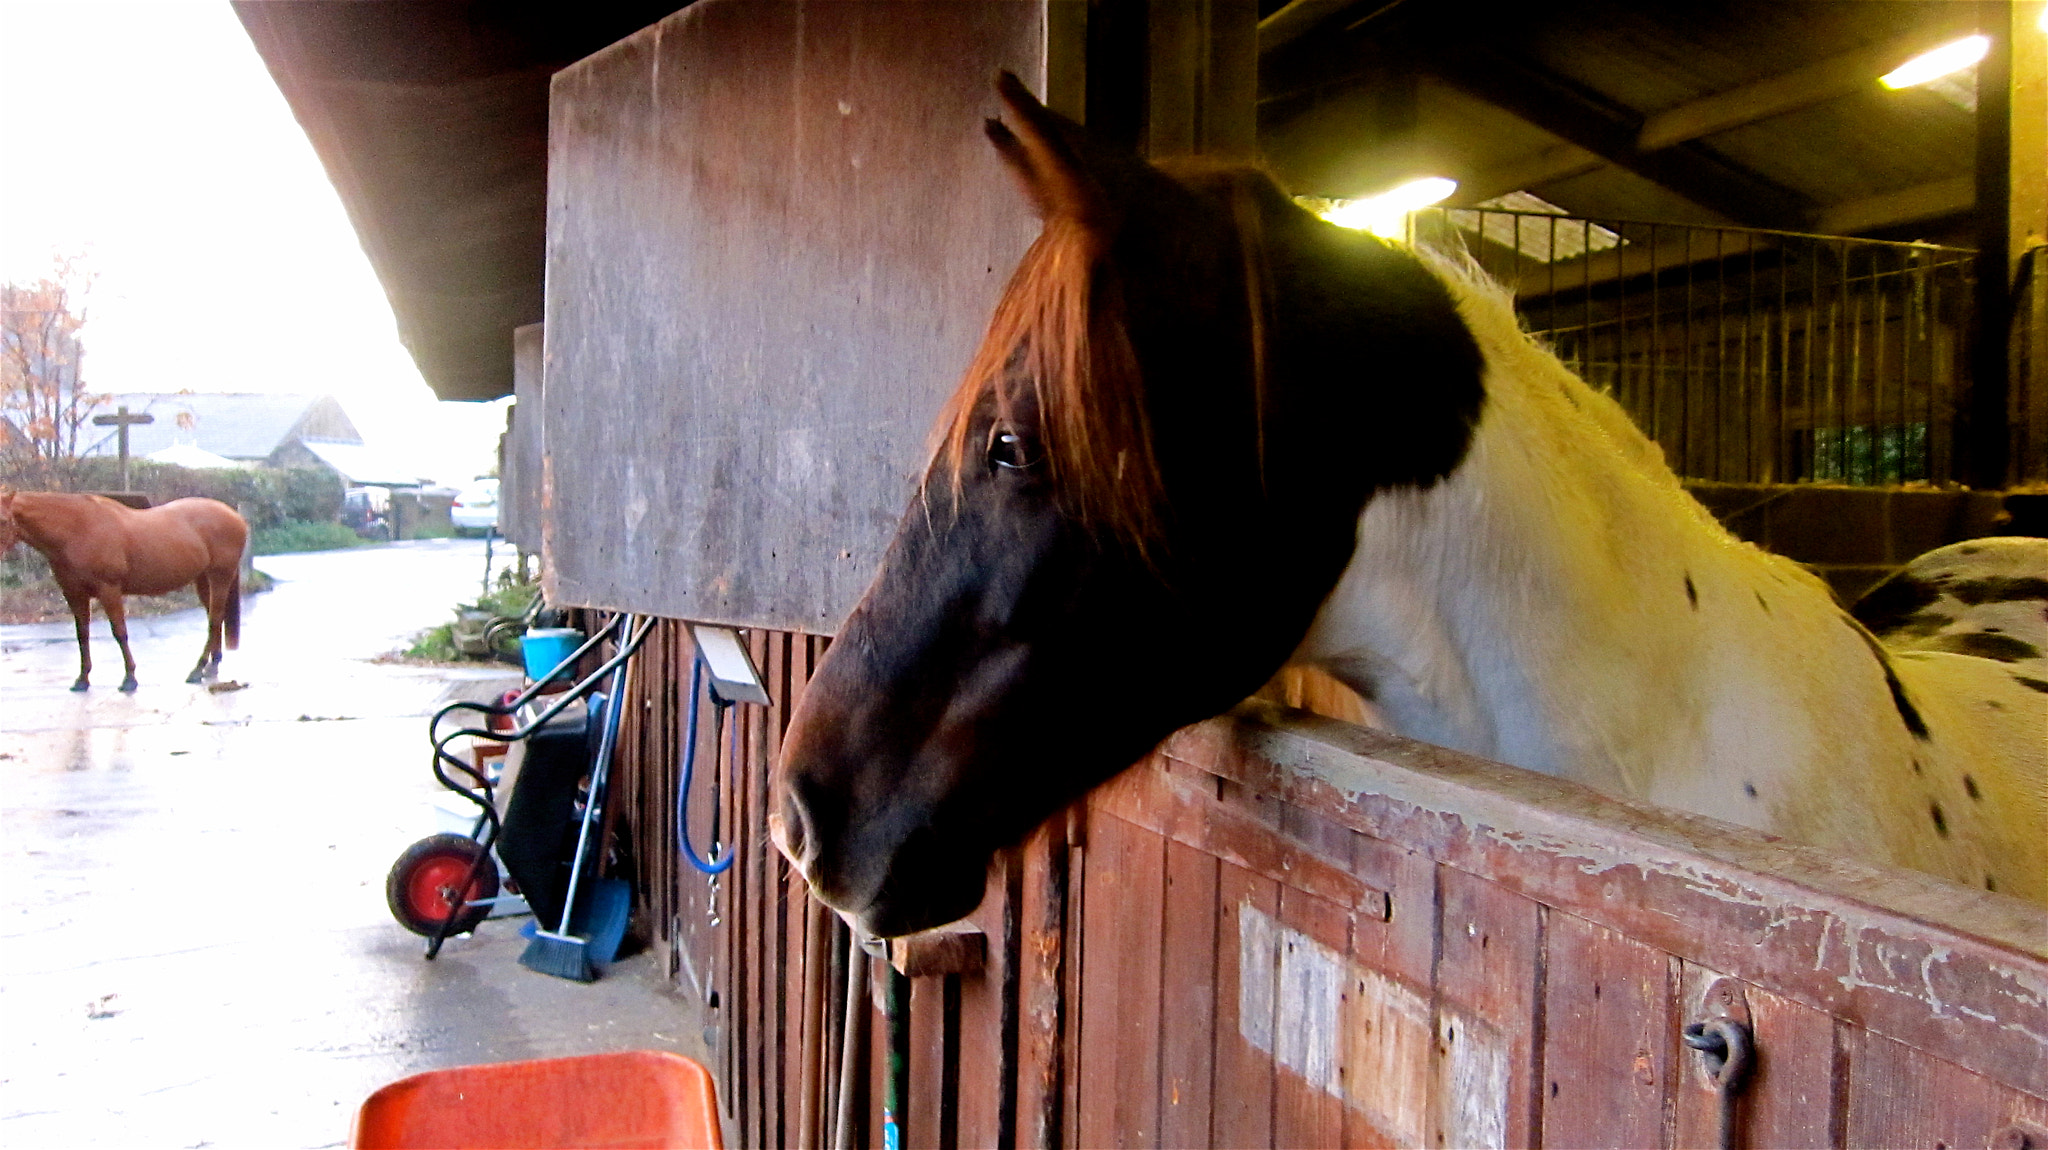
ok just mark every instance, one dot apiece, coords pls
pixel 689 770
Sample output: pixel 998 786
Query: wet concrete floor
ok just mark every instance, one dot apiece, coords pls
pixel 194 946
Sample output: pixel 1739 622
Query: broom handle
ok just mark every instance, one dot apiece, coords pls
pixel 613 704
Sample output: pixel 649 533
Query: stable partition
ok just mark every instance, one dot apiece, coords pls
pixel 1283 930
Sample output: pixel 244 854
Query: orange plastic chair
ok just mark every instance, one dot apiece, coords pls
pixel 635 1098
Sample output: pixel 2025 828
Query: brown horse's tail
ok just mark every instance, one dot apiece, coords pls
pixel 232 624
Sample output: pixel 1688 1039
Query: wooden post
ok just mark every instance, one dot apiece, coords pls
pixel 121 420
pixel 2012 217
pixel 1203 69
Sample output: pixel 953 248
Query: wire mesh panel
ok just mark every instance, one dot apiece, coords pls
pixel 1750 356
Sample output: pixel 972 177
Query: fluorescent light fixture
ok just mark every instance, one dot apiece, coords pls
pixel 1930 65
pixel 733 677
pixel 1387 213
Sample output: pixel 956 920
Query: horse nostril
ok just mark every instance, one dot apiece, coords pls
pixel 789 827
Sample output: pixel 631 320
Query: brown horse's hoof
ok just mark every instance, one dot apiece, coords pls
pixel 195 677
pixel 128 685
pixel 80 685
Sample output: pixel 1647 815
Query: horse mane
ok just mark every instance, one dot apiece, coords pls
pixel 1061 325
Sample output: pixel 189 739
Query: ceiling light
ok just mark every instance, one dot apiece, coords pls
pixel 1386 214
pixel 1952 57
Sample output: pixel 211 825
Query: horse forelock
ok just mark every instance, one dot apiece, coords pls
pixel 1060 329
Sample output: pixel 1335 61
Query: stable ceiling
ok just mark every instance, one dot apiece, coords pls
pixel 1754 112
pixel 431 118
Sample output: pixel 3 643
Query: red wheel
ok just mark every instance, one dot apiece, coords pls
pixel 422 884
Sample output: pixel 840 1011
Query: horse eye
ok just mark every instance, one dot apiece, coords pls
pixel 1007 448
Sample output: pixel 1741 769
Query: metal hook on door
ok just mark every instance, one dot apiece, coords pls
pixel 1729 1054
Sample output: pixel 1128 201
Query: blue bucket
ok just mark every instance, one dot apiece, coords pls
pixel 545 647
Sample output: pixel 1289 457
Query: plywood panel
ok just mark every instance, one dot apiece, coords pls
pixel 1607 1037
pixel 775 234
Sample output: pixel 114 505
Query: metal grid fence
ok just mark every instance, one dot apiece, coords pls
pixel 1751 356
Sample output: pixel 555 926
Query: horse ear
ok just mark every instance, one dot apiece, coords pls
pixel 1041 155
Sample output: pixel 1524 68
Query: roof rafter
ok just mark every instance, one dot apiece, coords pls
pixel 1583 118
pixel 1786 92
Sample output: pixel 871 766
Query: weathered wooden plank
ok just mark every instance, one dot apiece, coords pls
pixel 1489 974
pixel 1120 1015
pixel 1921 960
pixel 1402 941
pixel 1077 966
pixel 1041 986
pixel 980 1051
pixel 1315 1014
pixel 521 451
pixel 771 907
pixel 696 171
pixel 1246 967
pixel 1187 1034
pixel 1899 1096
pixel 927 1109
pixel 795 1009
pixel 1790 1099
pixel 1233 829
pixel 1607 1037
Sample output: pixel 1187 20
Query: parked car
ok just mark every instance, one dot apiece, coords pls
pixel 367 511
pixel 475 509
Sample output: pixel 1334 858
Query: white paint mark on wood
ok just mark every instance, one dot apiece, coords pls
pixel 1472 1103
pixel 1350 1032
pixel 1258 967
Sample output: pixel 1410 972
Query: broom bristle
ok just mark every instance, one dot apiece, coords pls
pixel 562 955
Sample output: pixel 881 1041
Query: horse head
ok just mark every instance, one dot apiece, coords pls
pixel 10 531
pixel 1146 484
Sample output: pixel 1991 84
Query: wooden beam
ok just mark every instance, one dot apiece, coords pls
pixel 1295 18
pixel 1202 80
pixel 1558 162
pixel 1589 121
pixel 1786 92
pixel 1920 202
pixel 2012 219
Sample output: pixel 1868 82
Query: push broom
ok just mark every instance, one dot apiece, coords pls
pixel 557 951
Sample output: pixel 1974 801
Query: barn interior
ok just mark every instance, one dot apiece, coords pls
pixel 1716 212
pixel 1819 294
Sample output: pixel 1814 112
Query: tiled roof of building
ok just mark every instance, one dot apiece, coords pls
pixel 242 426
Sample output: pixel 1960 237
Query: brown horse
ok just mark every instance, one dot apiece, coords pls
pixel 101 549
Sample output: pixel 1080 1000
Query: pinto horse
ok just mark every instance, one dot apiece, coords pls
pixel 1207 428
pixel 101 549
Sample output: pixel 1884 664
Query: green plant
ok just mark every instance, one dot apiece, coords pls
pixel 300 535
pixel 436 644
pixel 445 643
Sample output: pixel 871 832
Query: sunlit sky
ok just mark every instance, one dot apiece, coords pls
pixel 150 137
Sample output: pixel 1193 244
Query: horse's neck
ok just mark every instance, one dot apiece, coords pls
pixel 1559 603
pixel 47 519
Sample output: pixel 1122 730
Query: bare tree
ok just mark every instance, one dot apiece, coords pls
pixel 43 400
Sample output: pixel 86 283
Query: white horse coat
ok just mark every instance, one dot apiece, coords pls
pixel 1560 603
